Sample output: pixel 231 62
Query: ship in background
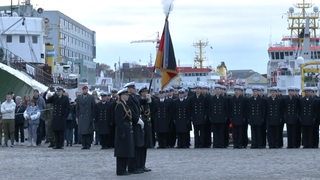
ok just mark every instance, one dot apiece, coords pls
pixel 22 52
pixel 44 48
pixel 295 60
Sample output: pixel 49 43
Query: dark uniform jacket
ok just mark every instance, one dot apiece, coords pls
pixel 256 110
pixel 237 110
pixel 103 117
pixel 61 107
pixel 197 109
pixel 146 118
pixel 134 105
pixel 291 109
pixel 124 142
pixel 218 109
pixel 308 109
pixel 274 111
pixel 181 115
pixel 162 115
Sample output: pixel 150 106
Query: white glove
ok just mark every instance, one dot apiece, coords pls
pixel 141 123
pixel 148 97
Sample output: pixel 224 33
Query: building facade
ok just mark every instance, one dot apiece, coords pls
pixel 74 44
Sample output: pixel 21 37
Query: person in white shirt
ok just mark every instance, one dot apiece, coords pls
pixel 8 114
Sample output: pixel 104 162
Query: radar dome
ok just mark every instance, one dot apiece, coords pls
pixel 300 60
pixel 315 9
pixel 291 10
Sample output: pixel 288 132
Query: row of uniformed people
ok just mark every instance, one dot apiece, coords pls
pixel 266 115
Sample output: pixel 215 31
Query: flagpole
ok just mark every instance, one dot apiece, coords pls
pixel 154 67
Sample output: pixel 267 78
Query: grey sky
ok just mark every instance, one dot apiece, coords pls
pixel 239 32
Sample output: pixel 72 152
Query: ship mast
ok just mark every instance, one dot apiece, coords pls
pixel 297 21
pixel 198 60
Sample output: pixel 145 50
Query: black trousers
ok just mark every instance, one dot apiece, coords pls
pixel 41 131
pixel 219 135
pixel 237 136
pixel 257 136
pixel 143 157
pixel 307 136
pixel 135 162
pixel 19 128
pixel 245 135
pixel 183 140
pixel 292 131
pixel 172 136
pixel 207 134
pixel 316 135
pixel 162 140
pixel 104 140
pixel 76 135
pixel 59 138
pixel 86 140
pixel 111 137
pixel 199 135
pixel 274 136
pixel 122 164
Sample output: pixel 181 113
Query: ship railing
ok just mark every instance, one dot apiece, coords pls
pixel 38 71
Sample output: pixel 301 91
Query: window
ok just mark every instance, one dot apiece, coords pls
pixel 9 38
pixel 22 39
pixel 34 39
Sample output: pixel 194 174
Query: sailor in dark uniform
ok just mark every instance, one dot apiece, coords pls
pixel 237 113
pixel 124 143
pixel 206 93
pixel 256 115
pixel 291 117
pixel 198 117
pixel 113 101
pixel 218 116
pixel 307 117
pixel 181 118
pixel 61 107
pixel 274 119
pixel 138 125
pixel 316 125
pixel 162 119
pixel 103 119
pixel 145 104
pixel 172 136
pixel 297 95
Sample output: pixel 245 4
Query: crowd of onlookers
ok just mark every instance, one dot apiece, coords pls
pixel 26 120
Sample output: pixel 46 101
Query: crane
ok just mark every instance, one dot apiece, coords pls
pixel 157 40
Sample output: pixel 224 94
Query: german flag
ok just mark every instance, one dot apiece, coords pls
pixel 166 60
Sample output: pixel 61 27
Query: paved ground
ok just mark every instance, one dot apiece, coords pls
pixel 23 162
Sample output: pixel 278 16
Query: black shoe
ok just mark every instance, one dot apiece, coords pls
pixel 123 174
pixel 50 146
pixel 85 147
pixel 57 147
pixel 146 169
pixel 136 171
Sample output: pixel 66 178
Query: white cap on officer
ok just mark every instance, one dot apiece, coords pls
pixel 122 91
pixel 256 88
pixel 238 87
pixel 309 89
pixel 130 84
